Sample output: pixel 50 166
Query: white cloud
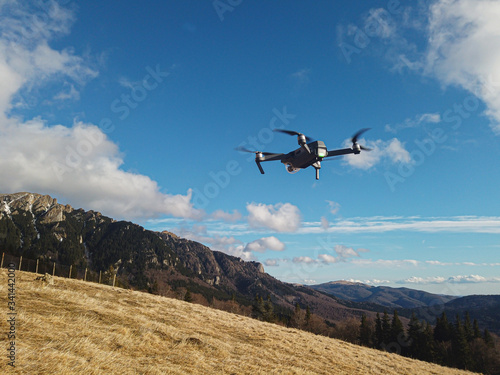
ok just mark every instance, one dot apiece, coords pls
pixel 370 282
pixel 380 23
pixel 343 254
pixel 81 165
pixel 76 163
pixel 271 262
pixel 378 224
pixel 281 217
pixel 438 263
pixel 304 259
pixel 462 34
pixel 324 223
pixel 333 207
pixel 327 258
pixel 300 79
pixel 26 59
pixel 418 120
pixel 225 244
pixel 226 216
pixel 459 279
pixel 386 263
pixel 265 243
pixel 391 151
pixel 423 280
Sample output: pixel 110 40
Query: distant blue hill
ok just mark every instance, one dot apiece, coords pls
pixel 393 298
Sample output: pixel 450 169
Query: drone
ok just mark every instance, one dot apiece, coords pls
pixel 310 152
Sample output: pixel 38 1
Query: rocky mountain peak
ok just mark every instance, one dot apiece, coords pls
pixel 43 206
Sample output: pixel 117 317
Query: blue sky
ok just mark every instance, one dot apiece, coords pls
pixel 134 109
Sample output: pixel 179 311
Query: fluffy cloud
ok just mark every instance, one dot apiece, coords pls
pixel 369 282
pixel 459 279
pixel 76 163
pixel 304 259
pixel 461 36
pixel 423 280
pixel 343 253
pixel 391 151
pixel 386 263
pixel 271 262
pixel 82 165
pixel 226 216
pixel 419 120
pixel 333 207
pixel 281 217
pixel 265 243
pixel 378 224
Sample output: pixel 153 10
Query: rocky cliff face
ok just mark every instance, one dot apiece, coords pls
pixel 38 227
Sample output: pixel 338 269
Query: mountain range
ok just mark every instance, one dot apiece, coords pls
pixel 382 295
pixel 38 227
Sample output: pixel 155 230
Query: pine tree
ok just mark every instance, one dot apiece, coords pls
pixel 268 315
pixel 308 315
pixel 428 344
pixel 488 339
pixel 443 329
pixel 297 319
pixel 469 332
pixel 414 337
pixel 475 328
pixel 365 332
pixel 460 347
pixel 378 339
pixel 397 333
pixel 386 330
pixel 397 330
pixel 188 297
pixel 258 309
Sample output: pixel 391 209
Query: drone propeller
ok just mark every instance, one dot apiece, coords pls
pixel 292 132
pixel 354 140
pixel 243 149
pixel 301 138
pixel 259 156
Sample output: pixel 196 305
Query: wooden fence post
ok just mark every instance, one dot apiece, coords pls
pixel 1 265
pixel 114 279
pixel 36 271
pixel 20 261
pixel 54 270
pixel 85 276
pixel 70 267
pixel 100 277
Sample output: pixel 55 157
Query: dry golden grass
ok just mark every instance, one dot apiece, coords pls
pixel 74 327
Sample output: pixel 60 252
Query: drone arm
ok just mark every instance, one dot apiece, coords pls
pixel 260 157
pixel 343 151
pixel 270 157
pixel 260 166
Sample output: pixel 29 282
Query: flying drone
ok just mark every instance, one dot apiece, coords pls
pixel 309 153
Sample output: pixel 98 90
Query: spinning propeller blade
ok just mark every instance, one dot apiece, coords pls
pixel 243 149
pixel 355 137
pixel 293 132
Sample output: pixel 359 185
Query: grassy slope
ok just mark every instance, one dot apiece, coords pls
pixel 74 327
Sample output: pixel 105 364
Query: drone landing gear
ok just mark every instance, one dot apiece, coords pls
pixel 317 166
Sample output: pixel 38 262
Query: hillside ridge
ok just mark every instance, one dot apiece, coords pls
pixel 88 328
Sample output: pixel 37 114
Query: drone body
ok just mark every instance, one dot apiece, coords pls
pixel 310 153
